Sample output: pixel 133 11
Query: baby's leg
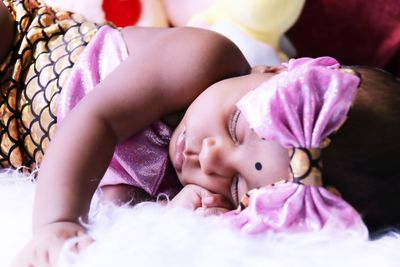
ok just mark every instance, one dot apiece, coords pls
pixel 121 194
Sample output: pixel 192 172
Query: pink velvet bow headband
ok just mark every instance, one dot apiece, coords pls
pixel 299 108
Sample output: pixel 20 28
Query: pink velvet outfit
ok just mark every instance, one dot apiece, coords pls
pixel 142 160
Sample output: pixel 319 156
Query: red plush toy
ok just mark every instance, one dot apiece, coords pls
pixel 135 12
pixel 122 12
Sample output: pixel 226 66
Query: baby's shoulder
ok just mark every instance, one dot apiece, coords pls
pixel 185 60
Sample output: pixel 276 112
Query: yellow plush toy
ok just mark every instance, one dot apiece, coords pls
pixel 256 26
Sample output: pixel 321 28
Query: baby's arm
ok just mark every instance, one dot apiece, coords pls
pixel 166 71
pixel 6 31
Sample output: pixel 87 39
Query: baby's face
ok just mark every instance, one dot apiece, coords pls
pixel 213 146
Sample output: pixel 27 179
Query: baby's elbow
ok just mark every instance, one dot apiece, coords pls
pixel 223 57
pixel 209 53
pixel 193 59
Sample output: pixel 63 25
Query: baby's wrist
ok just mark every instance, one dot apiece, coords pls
pixel 60 226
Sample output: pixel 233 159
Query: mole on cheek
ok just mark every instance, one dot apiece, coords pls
pixel 258 166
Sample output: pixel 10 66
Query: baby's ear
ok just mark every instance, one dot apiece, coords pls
pixel 267 69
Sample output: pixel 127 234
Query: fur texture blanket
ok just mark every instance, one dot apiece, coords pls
pixel 152 235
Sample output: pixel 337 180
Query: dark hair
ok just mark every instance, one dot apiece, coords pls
pixel 363 160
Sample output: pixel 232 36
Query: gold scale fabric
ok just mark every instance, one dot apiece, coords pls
pixel 48 41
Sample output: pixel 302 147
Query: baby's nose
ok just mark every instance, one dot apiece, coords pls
pixel 214 157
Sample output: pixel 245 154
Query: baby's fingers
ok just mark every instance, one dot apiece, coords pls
pixel 215 201
pixel 211 211
pixel 32 256
pixel 25 257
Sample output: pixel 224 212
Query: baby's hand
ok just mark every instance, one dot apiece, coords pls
pixel 44 249
pixel 201 200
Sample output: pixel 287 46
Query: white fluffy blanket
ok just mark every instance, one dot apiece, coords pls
pixel 152 235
